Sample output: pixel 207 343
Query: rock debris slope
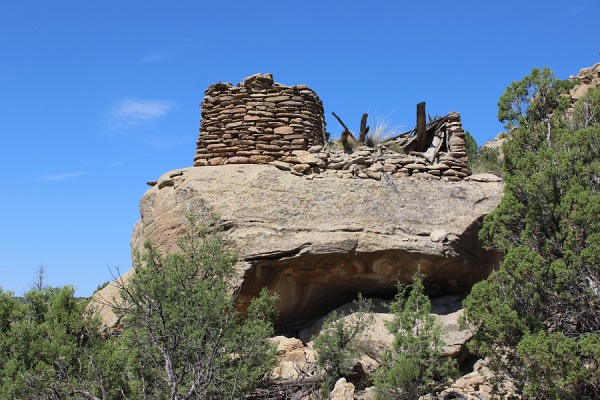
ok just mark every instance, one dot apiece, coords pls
pixel 318 242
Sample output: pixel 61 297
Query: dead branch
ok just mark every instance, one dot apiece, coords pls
pixel 285 389
pixel 346 132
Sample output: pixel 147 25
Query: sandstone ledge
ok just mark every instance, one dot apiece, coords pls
pixel 318 242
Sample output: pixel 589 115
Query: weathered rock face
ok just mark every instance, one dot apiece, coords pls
pixel 318 242
pixel 342 391
pixel 104 300
pixel 587 78
pixel 294 359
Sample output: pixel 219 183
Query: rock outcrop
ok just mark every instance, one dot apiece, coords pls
pixel 294 358
pixel 318 242
pixel 586 79
pixel 104 300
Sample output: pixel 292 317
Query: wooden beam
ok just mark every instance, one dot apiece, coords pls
pixel 364 129
pixel 346 132
pixel 421 127
pixel 340 121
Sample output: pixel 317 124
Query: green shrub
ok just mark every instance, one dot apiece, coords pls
pixel 49 349
pixel 415 364
pixel 539 314
pixel 471 146
pixel 486 160
pixel 183 337
pixel 183 328
pixel 340 341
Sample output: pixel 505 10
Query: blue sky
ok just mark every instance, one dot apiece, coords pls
pixel 97 98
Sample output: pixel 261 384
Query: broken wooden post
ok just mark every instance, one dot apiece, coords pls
pixel 346 132
pixel 364 129
pixel 421 127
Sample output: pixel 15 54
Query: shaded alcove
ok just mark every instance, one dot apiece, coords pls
pixel 310 285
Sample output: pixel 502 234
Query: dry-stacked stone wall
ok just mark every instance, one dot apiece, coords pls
pixel 456 155
pixel 257 121
pixel 446 159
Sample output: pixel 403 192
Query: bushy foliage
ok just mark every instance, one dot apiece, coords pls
pixel 471 146
pixel 183 337
pixel 415 364
pixel 539 314
pixel 181 322
pixel 339 344
pixel 49 349
pixel 533 99
pixel 487 160
pixel 587 111
pixel 482 159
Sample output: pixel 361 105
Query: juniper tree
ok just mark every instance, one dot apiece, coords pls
pixel 187 338
pixel 340 342
pixel 415 364
pixel 51 349
pixel 539 313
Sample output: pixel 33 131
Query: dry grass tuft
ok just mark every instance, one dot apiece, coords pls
pixel 381 129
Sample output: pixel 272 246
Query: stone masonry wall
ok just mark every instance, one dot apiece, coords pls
pixel 260 121
pixel 257 121
pixel 456 149
pixel 446 159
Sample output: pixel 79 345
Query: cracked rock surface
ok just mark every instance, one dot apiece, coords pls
pixel 319 242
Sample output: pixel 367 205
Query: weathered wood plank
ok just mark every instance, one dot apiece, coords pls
pixel 364 129
pixel 346 132
pixel 421 127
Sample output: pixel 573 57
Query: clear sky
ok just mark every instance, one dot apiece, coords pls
pixel 99 97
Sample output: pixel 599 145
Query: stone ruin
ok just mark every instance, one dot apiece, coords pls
pixel 259 121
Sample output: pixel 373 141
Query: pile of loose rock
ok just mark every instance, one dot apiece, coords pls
pixel 369 163
pixel 257 121
pixel 478 385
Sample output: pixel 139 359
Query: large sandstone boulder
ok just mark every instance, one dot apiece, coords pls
pixel 318 242
pixel 105 299
pixel 294 359
pixel 342 391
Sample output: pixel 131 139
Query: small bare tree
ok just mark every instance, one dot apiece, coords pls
pixel 40 277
